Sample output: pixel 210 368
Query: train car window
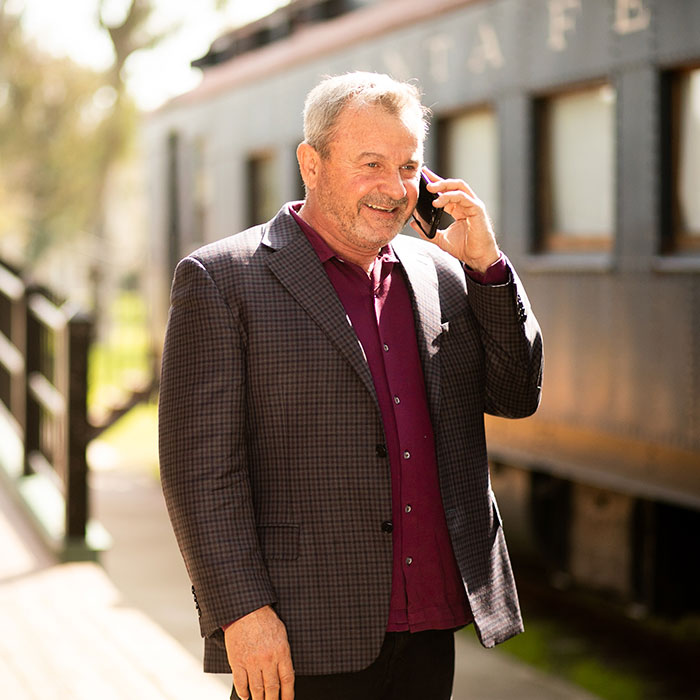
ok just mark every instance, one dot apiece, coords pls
pixel 686 159
pixel 202 193
pixel 172 178
pixel 264 195
pixel 470 151
pixel 577 170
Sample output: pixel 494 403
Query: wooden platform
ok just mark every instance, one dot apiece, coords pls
pixel 65 635
pixel 66 632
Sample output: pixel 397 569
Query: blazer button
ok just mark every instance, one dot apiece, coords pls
pixel 387 526
pixel 381 451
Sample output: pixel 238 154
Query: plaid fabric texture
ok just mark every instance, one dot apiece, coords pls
pixel 269 429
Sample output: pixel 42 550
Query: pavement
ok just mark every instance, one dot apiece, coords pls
pixel 127 629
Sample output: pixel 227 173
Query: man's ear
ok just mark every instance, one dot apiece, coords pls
pixel 309 164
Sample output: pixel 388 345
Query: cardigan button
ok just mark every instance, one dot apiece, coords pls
pixel 387 526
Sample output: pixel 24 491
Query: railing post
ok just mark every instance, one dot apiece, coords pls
pixel 19 381
pixel 32 422
pixel 80 329
pixel 44 349
pixel 6 331
pixel 12 345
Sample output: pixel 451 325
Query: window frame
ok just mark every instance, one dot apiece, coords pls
pixel 676 238
pixel 202 190
pixel 546 238
pixel 443 146
pixel 255 202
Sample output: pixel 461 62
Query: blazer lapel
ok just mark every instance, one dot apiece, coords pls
pixel 422 278
pixel 296 265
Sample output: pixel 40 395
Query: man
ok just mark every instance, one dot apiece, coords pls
pixel 321 419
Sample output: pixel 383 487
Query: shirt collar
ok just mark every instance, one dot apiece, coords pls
pixel 323 250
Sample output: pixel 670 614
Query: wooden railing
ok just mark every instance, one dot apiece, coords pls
pixel 44 429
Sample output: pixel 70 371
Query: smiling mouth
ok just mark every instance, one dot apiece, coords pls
pixel 376 207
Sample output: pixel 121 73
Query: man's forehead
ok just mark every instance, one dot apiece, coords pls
pixel 414 158
pixel 410 116
pixel 373 130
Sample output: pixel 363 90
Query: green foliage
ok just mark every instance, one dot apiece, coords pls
pixel 551 647
pixel 600 679
pixel 133 439
pixel 121 360
pixel 62 126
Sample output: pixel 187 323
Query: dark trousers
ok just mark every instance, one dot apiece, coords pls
pixel 410 666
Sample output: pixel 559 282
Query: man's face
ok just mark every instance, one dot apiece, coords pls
pixel 368 185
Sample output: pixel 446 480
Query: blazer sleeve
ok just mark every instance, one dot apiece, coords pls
pixel 202 446
pixel 512 344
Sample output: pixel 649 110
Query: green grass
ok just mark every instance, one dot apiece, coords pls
pixel 555 649
pixel 122 358
pixel 119 363
pixel 134 439
pixel 599 678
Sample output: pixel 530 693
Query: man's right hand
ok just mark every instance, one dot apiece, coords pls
pixel 259 656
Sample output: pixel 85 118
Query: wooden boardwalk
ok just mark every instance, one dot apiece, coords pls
pixel 67 632
pixel 66 635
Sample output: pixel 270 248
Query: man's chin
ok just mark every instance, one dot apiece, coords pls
pixel 388 232
pixel 380 239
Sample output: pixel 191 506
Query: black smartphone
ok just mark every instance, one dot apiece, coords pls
pixel 430 216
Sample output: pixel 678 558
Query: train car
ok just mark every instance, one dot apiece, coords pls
pixel 578 123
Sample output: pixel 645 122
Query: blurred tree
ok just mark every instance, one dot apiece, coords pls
pixel 62 127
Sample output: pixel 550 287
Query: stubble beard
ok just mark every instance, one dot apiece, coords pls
pixel 352 225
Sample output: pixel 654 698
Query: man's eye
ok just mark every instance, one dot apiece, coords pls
pixel 372 165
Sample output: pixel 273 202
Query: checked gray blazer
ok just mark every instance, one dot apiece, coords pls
pixel 271 440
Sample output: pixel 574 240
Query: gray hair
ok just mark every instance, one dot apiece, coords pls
pixel 326 101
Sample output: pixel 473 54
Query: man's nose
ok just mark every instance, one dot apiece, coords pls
pixel 394 185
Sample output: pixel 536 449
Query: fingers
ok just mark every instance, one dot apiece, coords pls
pixel 433 177
pixel 259 655
pixel 272 683
pixel 461 206
pixel 452 193
pixel 286 675
pixel 470 237
pixel 256 685
pixel 240 682
pixel 269 684
pixel 438 183
pixel 417 229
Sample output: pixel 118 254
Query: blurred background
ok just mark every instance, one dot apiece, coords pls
pixel 133 131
